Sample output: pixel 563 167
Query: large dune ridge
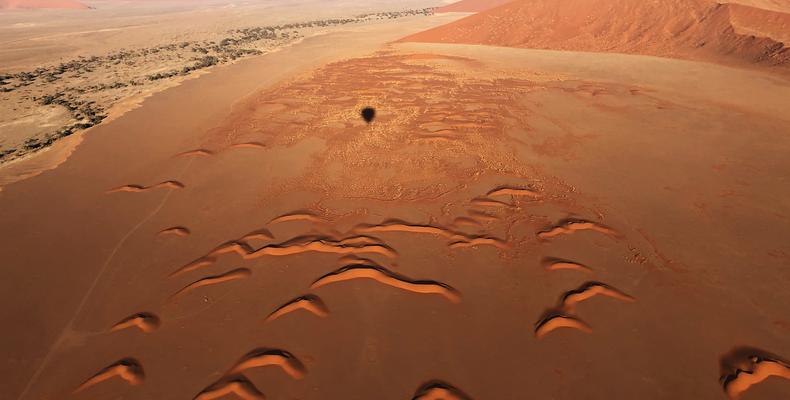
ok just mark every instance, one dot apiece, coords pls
pixel 471 6
pixel 34 4
pixel 775 5
pixel 688 29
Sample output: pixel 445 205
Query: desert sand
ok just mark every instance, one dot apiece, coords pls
pixel 472 6
pixel 513 223
pixel 705 30
pixel 42 4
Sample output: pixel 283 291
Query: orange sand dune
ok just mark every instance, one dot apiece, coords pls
pixel 127 369
pixel 486 202
pixel 564 314
pixel 745 366
pixel 557 321
pixel 237 385
pixel 740 382
pixel 471 5
pixel 319 246
pixel 397 226
pixel 592 289
pixel 556 264
pixel 195 153
pixel 512 191
pixel 298 245
pixel 176 230
pixel 310 303
pixel 775 5
pixel 460 240
pixel 568 227
pixel 258 234
pixel 755 21
pixel 297 216
pixel 479 241
pixel 141 188
pixel 31 4
pixel 688 29
pixel 146 322
pixel 236 274
pixel 386 277
pixel 438 390
pixel 270 357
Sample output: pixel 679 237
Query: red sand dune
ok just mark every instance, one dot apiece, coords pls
pixel 776 5
pixel 471 5
pixel 690 29
pixel 12 4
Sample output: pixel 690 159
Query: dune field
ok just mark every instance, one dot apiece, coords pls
pixel 550 200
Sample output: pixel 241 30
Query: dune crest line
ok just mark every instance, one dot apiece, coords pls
pixel 310 303
pixel 386 277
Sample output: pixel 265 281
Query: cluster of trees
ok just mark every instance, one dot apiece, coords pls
pixel 200 63
pixel 86 112
pixel 37 143
pixel 227 49
pixel 4 83
pixel 249 35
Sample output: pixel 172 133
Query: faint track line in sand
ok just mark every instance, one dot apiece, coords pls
pixel 69 325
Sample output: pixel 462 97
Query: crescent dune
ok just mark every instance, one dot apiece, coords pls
pixel 258 234
pixel 297 216
pixel 140 188
pixel 146 322
pixel 238 385
pixel 513 191
pixel 400 226
pixel 196 152
pixel 386 277
pixel 236 274
pixel 127 369
pixel 556 321
pixel 760 369
pixel 488 202
pixel 570 226
pixel 591 289
pixel 349 246
pixel 270 357
pixel 309 302
pixel 248 145
pixel 439 390
pixel 556 264
pixel 176 230
pixel 459 239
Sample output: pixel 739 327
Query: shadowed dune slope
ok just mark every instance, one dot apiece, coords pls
pixel 471 5
pixel 688 29
pixel 13 4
